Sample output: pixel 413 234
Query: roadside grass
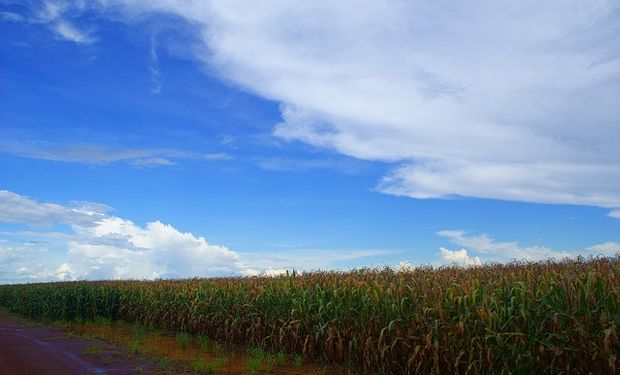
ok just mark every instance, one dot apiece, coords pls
pixel 203 342
pixel 184 339
pixel 183 352
pixel 92 349
pixel 255 360
pixel 202 365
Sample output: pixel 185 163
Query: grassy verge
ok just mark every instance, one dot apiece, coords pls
pixel 180 352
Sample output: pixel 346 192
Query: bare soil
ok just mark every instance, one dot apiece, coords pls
pixel 32 349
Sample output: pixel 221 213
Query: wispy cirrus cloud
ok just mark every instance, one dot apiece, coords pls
pixel 154 68
pixel 70 32
pixel 59 16
pixel 341 164
pixel 11 16
pixel 97 154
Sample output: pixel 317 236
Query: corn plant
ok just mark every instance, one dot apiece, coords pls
pixel 545 317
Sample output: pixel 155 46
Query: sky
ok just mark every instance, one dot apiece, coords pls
pixel 168 139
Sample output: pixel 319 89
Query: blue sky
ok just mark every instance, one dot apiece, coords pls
pixel 162 139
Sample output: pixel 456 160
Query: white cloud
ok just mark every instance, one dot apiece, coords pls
pixel 459 257
pixel 11 17
pixel 101 246
pixel 93 154
pixel 514 101
pixel 274 272
pixel 117 248
pixel 605 249
pixel 489 249
pixel 63 271
pixel 344 165
pixel 614 214
pixel 24 261
pixel 70 32
pixel 559 183
pixel 15 208
pixel 215 156
pixel 405 266
pixel 151 162
pixel 154 69
pixel 96 154
pixel 57 15
pixel 501 251
pixel 51 10
pixel 308 259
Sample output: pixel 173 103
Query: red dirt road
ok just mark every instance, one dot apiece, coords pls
pixel 37 350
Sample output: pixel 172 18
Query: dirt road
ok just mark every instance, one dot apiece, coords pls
pixel 38 350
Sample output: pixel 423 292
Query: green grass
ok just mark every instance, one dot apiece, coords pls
pixel 92 349
pixel 136 347
pixel 280 357
pixel 139 331
pixel 270 362
pixel 203 342
pixel 217 348
pixel 217 364
pixel 103 321
pixel 199 365
pixel 255 360
pixel 184 339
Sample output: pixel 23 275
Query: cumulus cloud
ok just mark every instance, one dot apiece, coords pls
pixel 102 246
pixel 274 272
pixel 502 100
pixel 118 248
pixel 459 257
pixel 614 214
pixel 405 266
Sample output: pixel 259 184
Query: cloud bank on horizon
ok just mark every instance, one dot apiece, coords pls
pixel 99 245
pixel 103 246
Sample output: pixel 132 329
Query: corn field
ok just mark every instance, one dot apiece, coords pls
pixel 547 317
